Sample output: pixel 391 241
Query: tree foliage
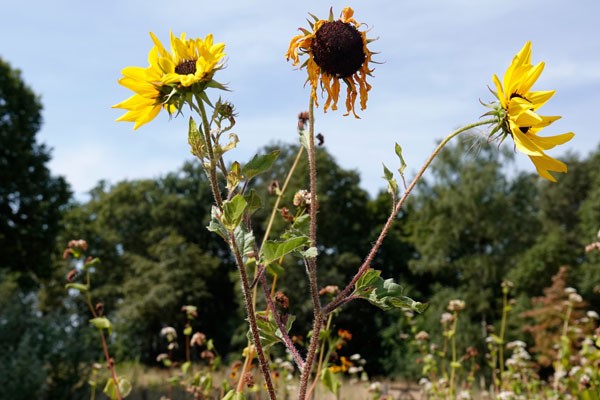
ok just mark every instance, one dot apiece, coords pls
pixel 31 199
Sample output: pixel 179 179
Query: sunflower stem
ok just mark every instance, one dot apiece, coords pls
pixel 344 294
pixel 212 172
pixel 247 296
pixel 274 212
pixel 311 263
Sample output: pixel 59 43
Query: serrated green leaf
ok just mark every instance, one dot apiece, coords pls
pixel 244 240
pixel 259 164
pixel 77 286
pixel 254 201
pixel 268 330
pixel 102 323
pixel 402 162
pixel 233 211
pixel 300 227
pixel 385 294
pixel 274 250
pixel 331 381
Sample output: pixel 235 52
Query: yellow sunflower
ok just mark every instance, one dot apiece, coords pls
pixel 190 61
pixel 518 113
pixel 337 51
pixel 171 77
pixel 148 100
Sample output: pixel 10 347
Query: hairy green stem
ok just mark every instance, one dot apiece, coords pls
pixel 109 361
pixel 339 300
pixel 247 296
pixel 212 172
pixel 321 356
pixel 284 334
pixel 274 213
pixel 311 263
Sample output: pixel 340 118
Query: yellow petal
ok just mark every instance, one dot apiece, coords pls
pixel 539 98
pixel 549 142
pixel 523 143
pixel 544 164
pixel 161 49
pixel 531 78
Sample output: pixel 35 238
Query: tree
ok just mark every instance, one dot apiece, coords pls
pixel 157 256
pixel 31 199
pixel 468 225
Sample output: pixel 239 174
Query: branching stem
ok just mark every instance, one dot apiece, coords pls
pixel 339 300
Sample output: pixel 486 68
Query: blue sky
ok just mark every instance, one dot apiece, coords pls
pixel 437 59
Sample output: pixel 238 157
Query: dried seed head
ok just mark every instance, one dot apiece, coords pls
pixel 338 49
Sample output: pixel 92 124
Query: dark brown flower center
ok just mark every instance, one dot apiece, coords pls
pixel 523 129
pixel 186 67
pixel 338 49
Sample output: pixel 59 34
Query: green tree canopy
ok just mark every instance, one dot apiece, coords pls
pixel 31 198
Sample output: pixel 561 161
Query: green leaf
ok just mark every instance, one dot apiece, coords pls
pixel 196 140
pixel 94 261
pixel 110 389
pixel 300 227
pixel 389 177
pixel 274 250
pixel 253 200
pixel 311 252
pixel 331 381
pixel 259 164
pixel 125 387
pixel 384 294
pixel 233 395
pixel 185 367
pixel 77 286
pixel 268 330
pixel 275 269
pixel 402 162
pixel 102 323
pixel 233 211
pixel 244 240
pixel 304 140
pixel 187 331
pixel 215 225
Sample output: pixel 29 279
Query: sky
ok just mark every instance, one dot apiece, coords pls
pixel 435 62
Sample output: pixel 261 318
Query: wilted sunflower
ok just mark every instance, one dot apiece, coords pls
pixel 517 113
pixel 172 79
pixel 337 51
